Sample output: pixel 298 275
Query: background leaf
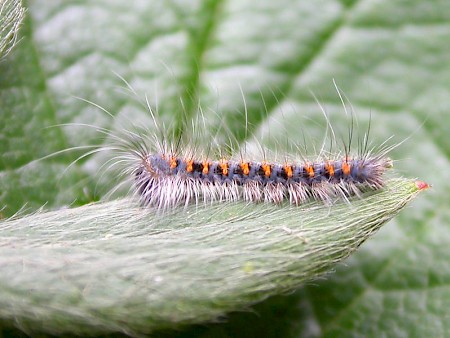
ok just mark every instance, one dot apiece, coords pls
pixel 390 58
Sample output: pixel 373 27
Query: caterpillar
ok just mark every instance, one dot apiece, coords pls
pixel 166 180
pixel 168 168
pixel 167 172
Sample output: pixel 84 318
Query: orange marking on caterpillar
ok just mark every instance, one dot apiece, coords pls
pixel 173 162
pixel 223 164
pixel 288 170
pixel 267 169
pixel 245 168
pixel 190 166
pixel 329 167
pixel 309 170
pixel 205 169
pixel 346 168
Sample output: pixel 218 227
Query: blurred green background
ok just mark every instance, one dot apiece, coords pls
pixel 391 58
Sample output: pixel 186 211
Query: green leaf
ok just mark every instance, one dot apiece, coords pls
pixel 390 58
pixel 114 267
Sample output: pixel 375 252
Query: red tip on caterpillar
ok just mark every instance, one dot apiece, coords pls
pixel 422 185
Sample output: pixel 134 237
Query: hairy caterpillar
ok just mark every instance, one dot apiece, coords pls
pixel 168 171
pixel 166 180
